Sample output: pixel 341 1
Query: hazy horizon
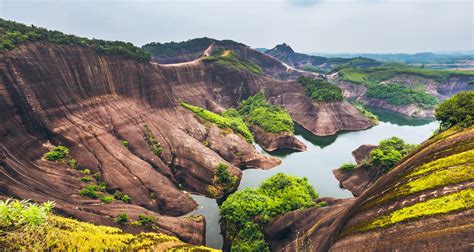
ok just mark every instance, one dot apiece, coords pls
pixel 311 26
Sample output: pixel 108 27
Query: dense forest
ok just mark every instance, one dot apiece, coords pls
pixel 398 94
pixel 320 90
pixel 12 34
pixel 171 48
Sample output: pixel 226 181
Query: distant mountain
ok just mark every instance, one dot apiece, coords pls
pixel 417 58
pixel 314 63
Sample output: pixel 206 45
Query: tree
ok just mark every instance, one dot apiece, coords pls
pixel 457 110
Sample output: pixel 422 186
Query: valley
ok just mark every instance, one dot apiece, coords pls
pixel 165 138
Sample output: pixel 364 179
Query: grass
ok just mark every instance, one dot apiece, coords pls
pixel 348 166
pixel 361 108
pixel 445 204
pixel 26 226
pixel 230 59
pixel 449 161
pixel 223 122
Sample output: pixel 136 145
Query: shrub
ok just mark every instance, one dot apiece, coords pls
pixel 58 153
pixel 389 152
pixel 146 220
pixel 23 214
pixel 320 90
pixel 122 218
pixel 152 142
pixel 348 166
pixel 457 110
pixel 89 191
pixel 86 172
pixel 107 199
pixel 124 143
pixel 72 163
pixel 244 211
pixel 86 179
pixel 256 110
pixel 223 177
pixel 123 197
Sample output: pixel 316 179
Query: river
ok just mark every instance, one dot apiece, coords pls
pixel 323 155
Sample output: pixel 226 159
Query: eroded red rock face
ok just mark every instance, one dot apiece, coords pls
pixel 387 217
pixel 72 96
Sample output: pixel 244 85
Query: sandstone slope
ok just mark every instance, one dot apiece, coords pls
pixel 423 203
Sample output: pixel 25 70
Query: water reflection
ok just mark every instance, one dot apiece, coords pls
pixel 397 118
pixel 323 155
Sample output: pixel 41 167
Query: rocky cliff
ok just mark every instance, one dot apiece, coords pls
pixel 424 203
pixel 92 103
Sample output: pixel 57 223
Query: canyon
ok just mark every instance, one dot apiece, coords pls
pixel 124 123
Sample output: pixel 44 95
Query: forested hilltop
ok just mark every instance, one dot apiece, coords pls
pixel 12 34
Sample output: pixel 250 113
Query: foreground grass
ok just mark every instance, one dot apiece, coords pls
pixel 28 226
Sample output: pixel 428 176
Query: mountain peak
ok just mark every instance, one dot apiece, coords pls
pixel 283 48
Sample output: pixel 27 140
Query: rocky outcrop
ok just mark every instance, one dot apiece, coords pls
pixel 362 177
pixel 273 141
pixel 362 153
pixel 72 96
pixel 423 203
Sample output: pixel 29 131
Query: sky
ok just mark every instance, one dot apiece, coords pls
pixel 317 26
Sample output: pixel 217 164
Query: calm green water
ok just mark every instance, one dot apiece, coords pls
pixel 323 155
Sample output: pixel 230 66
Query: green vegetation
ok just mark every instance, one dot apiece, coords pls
pixel 58 153
pixel 398 94
pixel 389 70
pixel 13 34
pixel 121 218
pixel 26 226
pixel 86 179
pixel 118 195
pixel 92 191
pixel 313 69
pixel 348 166
pixel 462 158
pixel 146 220
pixel 389 152
pixel 457 110
pixel 320 90
pixel 225 121
pixel 231 60
pixel 23 214
pixel 223 177
pixel 361 108
pixel 192 45
pixel 86 172
pixel 445 204
pixel 256 110
pixel 152 142
pixel 223 181
pixel 124 143
pixel 72 163
pixel 107 198
pixel 244 211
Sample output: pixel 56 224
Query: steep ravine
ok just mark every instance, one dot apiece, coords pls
pixel 70 95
